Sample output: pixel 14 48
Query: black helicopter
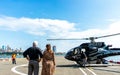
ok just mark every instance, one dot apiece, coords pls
pixel 95 51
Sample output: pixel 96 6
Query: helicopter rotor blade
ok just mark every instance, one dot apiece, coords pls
pixel 84 38
pixel 62 39
pixel 90 38
pixel 108 35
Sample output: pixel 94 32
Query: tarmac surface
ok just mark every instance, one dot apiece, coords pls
pixel 63 67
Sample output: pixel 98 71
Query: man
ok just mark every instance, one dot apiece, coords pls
pixel 84 58
pixel 33 55
pixel 13 58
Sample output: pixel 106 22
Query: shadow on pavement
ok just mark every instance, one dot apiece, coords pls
pixel 108 70
pixel 69 65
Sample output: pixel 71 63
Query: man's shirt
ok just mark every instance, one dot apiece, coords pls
pixel 33 52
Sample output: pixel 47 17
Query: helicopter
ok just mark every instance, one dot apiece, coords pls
pixel 95 51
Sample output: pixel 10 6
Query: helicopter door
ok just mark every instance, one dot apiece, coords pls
pixel 76 53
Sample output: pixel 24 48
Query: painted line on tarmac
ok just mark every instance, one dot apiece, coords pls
pixel 85 72
pixel 88 70
pixel 15 71
pixel 91 71
pixel 82 71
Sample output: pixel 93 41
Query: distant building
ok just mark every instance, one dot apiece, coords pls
pixel 54 49
pixel 3 47
pixel 1 50
pixel 20 49
pixel 9 48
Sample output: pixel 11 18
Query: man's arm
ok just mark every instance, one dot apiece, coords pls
pixel 85 56
pixel 40 54
pixel 25 54
pixel 28 58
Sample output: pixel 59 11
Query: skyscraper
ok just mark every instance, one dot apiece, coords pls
pixel 3 47
pixel 8 48
pixel 54 49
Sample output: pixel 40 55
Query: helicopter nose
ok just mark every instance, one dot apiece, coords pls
pixel 68 56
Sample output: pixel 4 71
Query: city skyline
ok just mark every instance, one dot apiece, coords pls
pixel 25 21
pixel 7 48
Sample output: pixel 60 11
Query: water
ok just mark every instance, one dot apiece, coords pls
pixel 114 58
pixel 9 56
pixel 21 56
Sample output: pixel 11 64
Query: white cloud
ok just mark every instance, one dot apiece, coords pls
pixel 111 20
pixel 36 26
pixel 115 27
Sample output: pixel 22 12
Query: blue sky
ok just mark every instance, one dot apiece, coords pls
pixel 23 21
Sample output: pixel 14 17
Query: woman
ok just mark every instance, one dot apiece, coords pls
pixel 48 63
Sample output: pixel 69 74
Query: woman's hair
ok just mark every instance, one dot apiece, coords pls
pixel 48 45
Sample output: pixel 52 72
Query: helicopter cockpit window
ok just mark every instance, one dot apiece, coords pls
pixel 76 51
pixel 83 49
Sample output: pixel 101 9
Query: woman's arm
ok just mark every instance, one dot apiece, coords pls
pixel 54 59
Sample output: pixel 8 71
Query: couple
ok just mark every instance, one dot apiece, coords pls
pixel 34 56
